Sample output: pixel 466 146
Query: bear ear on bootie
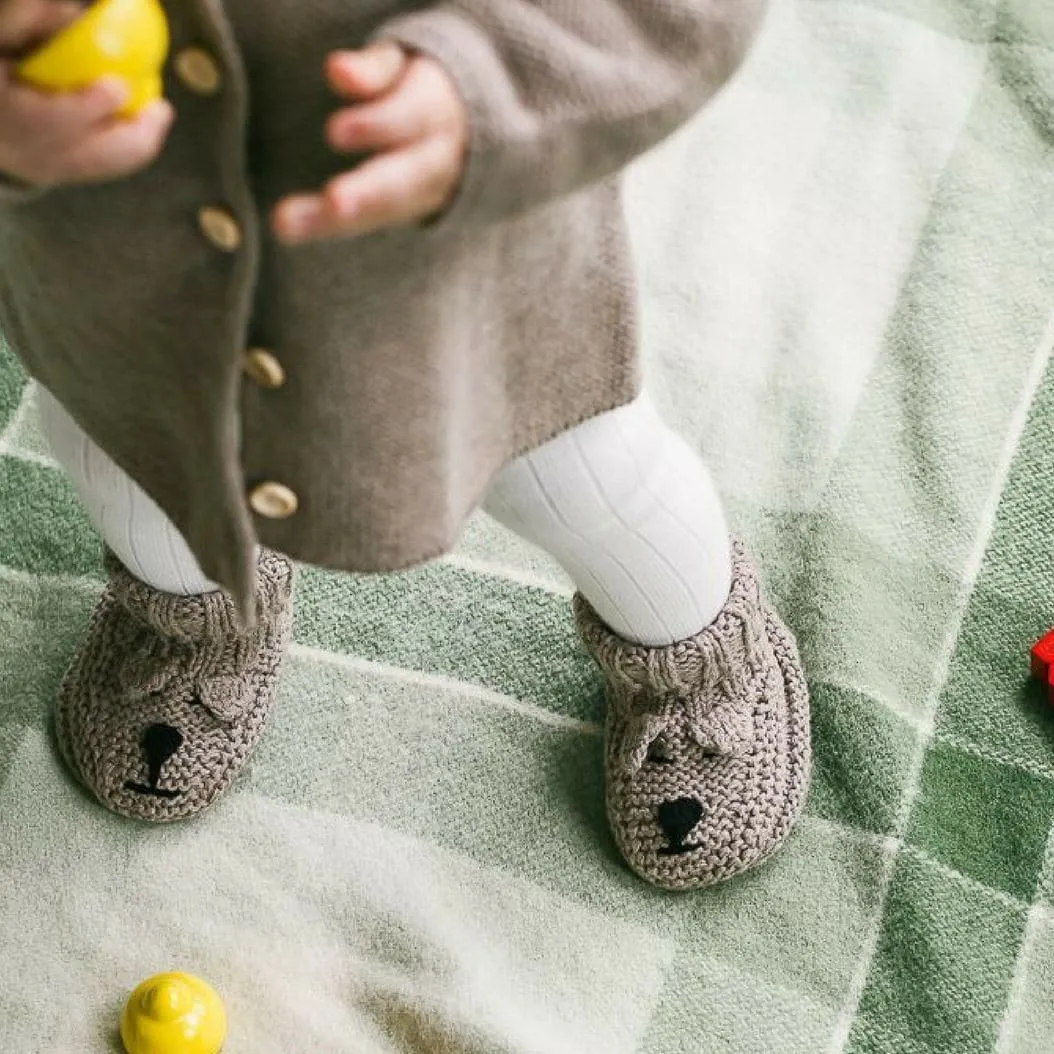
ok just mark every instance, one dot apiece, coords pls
pixel 150 675
pixel 224 697
pixel 723 729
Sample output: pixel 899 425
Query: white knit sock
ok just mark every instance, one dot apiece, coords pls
pixel 140 535
pixel 621 502
pixel 631 513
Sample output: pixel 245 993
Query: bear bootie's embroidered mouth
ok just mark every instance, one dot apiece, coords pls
pixel 168 696
pixel 160 742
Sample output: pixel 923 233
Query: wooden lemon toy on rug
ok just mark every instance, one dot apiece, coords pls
pixel 173 1013
pixel 123 38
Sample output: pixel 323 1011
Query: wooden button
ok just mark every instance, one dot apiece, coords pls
pixel 198 71
pixel 221 228
pixel 263 368
pixel 273 501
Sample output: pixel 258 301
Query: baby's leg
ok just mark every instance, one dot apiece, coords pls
pixel 707 755
pixel 138 533
pixel 631 513
pixel 170 693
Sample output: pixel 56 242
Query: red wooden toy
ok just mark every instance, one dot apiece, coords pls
pixel 1043 663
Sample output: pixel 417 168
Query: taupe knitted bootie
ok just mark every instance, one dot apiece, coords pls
pixel 168 696
pixel 708 750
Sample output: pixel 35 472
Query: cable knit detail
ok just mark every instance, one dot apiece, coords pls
pixel 698 685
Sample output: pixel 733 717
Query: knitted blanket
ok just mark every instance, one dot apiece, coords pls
pixel 848 298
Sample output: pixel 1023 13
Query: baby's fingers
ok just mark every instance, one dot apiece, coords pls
pixel 52 138
pixel 366 74
pixel 120 147
pixel 390 190
pixel 34 113
pixel 396 188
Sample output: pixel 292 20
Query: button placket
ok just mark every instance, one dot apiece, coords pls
pixel 200 73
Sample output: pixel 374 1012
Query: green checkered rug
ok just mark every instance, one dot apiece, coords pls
pixel 849 304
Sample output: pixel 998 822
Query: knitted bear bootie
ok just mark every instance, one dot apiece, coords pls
pixel 707 742
pixel 169 695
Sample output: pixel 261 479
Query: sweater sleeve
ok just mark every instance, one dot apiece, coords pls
pixel 563 93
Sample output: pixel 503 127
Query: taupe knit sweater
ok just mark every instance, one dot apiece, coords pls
pixel 416 362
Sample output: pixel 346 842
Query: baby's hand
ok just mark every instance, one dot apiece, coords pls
pixel 72 137
pixel 408 113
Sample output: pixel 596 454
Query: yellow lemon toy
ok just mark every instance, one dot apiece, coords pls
pixel 123 38
pixel 173 1013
